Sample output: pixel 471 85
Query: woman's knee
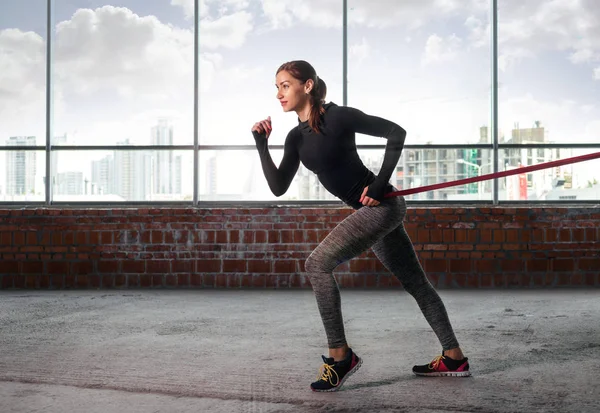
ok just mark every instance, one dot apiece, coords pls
pixel 318 263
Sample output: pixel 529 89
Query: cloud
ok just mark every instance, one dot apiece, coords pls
pixel 108 56
pixel 228 31
pixel 360 51
pixel 527 29
pixel 597 73
pixel 188 7
pixel 22 84
pixel 112 46
pixel 375 13
pixel 439 49
pixel 206 6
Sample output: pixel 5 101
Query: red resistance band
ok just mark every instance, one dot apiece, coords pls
pixel 502 174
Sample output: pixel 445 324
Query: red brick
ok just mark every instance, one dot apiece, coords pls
pixel 152 266
pixel 284 266
pixel 182 266
pixel 460 266
pixel 19 281
pixel 120 280
pixel 134 266
pixel 220 281
pixel 591 280
pixel 259 281
pixel 81 268
pixel 512 265
pixel 485 266
pixel 209 280
pixel 221 237
pixel 564 235
pixel 108 266
pixel 234 265
pixel 54 267
pixel 170 280
pixel 208 266
pixel 563 265
pixel 448 235
pixel 259 266
pixel 9 267
pixel 589 264
pixel 233 280
pixel 274 237
pixel 485 236
pixel 260 237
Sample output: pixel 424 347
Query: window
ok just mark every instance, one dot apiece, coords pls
pixel 124 114
pixel 549 82
pixel 22 100
pixel 424 65
pixel 242 44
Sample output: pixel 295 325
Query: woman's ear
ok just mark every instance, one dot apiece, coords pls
pixel 308 85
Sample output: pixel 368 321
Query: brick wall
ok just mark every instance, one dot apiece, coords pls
pixel 52 248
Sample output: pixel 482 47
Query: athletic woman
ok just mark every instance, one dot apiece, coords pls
pixel 324 141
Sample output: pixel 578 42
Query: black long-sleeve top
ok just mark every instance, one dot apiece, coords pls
pixel 331 154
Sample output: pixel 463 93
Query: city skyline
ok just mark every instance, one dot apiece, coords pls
pixel 140 175
pixel 119 66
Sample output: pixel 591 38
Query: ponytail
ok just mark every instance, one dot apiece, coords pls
pixel 317 98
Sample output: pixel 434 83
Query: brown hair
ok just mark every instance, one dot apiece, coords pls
pixel 303 71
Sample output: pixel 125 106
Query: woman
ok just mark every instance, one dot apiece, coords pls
pixel 324 141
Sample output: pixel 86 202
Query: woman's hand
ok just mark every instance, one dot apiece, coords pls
pixel 366 201
pixel 263 126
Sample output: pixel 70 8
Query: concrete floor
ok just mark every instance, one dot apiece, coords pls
pixel 257 351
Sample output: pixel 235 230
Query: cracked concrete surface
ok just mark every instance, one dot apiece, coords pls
pixel 257 351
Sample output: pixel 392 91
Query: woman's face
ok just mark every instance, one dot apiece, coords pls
pixel 291 93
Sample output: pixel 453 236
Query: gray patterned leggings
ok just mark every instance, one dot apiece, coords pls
pixel 381 228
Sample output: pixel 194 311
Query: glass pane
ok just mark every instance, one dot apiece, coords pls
pixel 22 175
pixel 242 44
pixel 22 70
pixel 549 71
pixel 423 167
pixel 575 182
pixel 246 181
pixel 117 176
pixel 424 65
pixel 218 181
pixel 123 71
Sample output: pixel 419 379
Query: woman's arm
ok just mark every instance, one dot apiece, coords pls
pixel 279 179
pixel 360 122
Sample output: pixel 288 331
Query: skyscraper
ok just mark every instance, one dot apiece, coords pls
pixel 20 167
pixel 133 174
pixel 163 169
pixel 103 175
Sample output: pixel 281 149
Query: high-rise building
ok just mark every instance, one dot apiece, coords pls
pixel 177 175
pixel 103 176
pixel 210 178
pixel 20 167
pixel 164 165
pixel 69 183
pixel 133 174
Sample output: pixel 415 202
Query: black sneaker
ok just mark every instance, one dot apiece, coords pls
pixel 444 366
pixel 333 374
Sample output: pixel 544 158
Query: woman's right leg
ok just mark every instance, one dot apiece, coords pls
pixel 349 238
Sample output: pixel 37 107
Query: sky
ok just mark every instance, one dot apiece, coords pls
pixel 121 66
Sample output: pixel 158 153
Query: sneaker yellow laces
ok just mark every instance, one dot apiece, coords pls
pixel 436 362
pixel 326 374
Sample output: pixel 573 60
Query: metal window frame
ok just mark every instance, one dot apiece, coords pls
pixel 494 146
